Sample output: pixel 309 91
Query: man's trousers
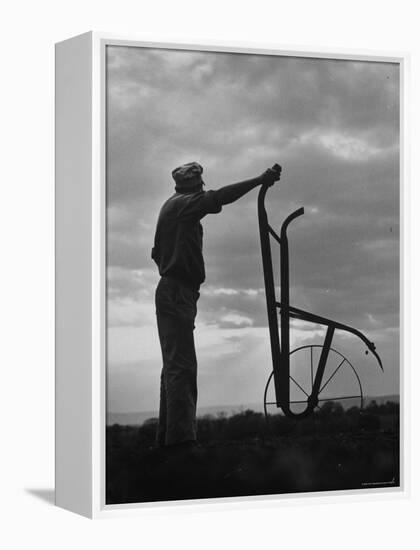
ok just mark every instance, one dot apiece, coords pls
pixel 176 309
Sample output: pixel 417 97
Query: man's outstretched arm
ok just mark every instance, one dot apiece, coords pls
pixel 231 193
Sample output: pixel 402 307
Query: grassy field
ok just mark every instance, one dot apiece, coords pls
pixel 244 455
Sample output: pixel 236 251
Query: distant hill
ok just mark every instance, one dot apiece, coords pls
pixel 137 418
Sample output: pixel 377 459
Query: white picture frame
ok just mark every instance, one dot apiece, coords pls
pixel 80 270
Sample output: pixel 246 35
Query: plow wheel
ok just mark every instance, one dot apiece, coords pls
pixel 340 382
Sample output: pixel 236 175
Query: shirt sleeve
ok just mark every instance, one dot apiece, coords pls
pixel 198 205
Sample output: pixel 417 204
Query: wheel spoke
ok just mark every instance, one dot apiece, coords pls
pixel 312 367
pixel 333 374
pixel 324 399
pixel 298 385
pixel 339 398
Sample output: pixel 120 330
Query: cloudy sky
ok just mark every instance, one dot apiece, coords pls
pixel 334 127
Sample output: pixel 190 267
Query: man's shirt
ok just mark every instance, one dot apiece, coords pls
pixel 178 246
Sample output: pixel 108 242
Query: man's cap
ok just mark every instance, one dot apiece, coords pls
pixel 185 173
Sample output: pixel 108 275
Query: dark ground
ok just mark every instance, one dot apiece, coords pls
pixel 241 455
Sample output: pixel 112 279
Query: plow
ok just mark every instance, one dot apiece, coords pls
pixel 303 378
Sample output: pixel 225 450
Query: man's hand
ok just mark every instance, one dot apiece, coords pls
pixel 271 175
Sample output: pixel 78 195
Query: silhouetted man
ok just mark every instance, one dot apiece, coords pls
pixel 178 254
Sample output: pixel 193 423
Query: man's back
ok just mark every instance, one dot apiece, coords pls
pixel 178 241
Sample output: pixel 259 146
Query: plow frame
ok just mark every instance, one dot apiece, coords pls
pixel 280 339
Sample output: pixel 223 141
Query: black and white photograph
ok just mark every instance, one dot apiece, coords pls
pixel 210 264
pixel 252 274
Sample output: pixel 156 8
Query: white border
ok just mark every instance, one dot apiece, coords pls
pixel 99 508
pixel 98 280
pixel 73 262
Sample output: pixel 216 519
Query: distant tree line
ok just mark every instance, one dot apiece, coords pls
pixel 330 418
